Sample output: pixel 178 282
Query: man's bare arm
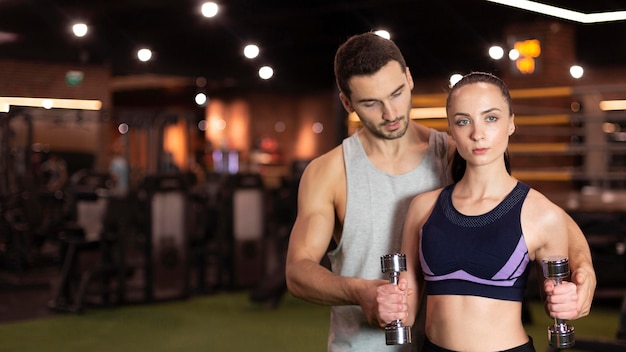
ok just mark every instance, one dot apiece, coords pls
pixel 306 277
pixel 311 236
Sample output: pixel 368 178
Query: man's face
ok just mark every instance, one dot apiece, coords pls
pixel 382 101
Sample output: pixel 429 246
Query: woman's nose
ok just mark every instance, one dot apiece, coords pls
pixel 477 134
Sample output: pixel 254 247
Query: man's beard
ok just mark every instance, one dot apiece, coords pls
pixel 379 130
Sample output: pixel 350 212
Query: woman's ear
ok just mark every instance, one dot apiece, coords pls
pixel 512 125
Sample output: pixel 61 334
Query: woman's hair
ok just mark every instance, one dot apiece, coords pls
pixel 363 55
pixel 458 163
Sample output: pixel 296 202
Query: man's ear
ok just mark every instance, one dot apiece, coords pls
pixel 409 78
pixel 346 103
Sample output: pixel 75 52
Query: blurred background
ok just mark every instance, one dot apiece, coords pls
pixel 150 151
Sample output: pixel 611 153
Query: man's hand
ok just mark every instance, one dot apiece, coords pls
pixel 392 302
pixel 367 299
pixel 585 288
pixel 581 265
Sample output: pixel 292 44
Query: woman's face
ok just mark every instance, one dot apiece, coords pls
pixel 480 123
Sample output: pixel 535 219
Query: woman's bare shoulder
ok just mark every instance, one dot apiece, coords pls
pixel 540 202
pixel 542 210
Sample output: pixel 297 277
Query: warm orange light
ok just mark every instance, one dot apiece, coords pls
pixel 529 50
pixel 174 142
pixel 305 143
pixel 76 104
pixel 238 130
pixel 525 65
pixel 215 116
pixel 608 105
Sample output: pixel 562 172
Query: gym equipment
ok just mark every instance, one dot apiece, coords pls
pixel 246 226
pixel 93 270
pixel 166 266
pixel 395 332
pixel 560 335
pixel 207 243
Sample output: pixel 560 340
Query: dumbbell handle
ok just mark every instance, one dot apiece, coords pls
pixel 395 332
pixel 560 335
pixel 557 321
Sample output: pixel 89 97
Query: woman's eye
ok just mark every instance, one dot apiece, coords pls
pixel 462 122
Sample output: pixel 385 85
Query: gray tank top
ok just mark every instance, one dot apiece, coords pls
pixel 375 211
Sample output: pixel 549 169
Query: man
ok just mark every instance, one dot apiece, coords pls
pixel 358 193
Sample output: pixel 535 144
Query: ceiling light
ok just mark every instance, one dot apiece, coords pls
pixel 266 72
pixel 455 78
pixel 576 71
pixel 201 99
pixel 209 9
pixel 564 13
pixel 383 33
pixel 251 51
pixel 144 54
pixel 496 52
pixel 80 29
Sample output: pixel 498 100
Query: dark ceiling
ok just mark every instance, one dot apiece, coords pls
pixel 298 38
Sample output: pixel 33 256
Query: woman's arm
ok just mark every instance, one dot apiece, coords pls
pixel 551 228
pixel 583 274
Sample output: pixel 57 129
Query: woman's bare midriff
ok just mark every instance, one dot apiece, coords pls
pixel 470 323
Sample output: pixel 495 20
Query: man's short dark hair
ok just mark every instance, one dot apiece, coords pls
pixel 364 55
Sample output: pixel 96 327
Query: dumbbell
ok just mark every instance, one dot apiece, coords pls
pixel 560 335
pixel 395 332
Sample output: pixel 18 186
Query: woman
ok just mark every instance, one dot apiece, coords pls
pixel 471 242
